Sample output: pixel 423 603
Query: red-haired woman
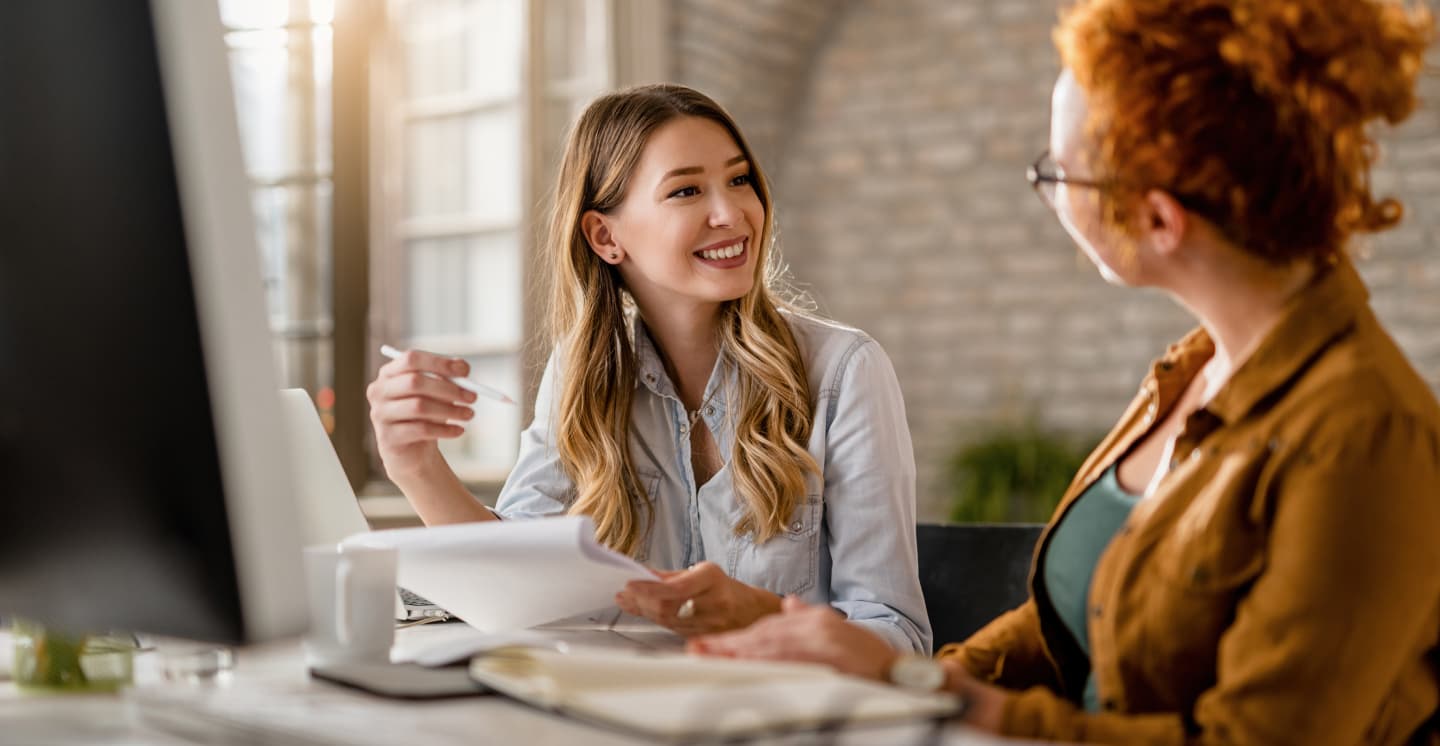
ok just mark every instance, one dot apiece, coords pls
pixel 1253 554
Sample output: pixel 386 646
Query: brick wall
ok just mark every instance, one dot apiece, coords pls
pixel 897 132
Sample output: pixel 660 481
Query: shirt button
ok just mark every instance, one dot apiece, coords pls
pixel 795 527
pixel 650 377
pixel 709 411
pixel 684 429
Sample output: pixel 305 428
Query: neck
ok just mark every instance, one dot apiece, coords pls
pixel 1238 301
pixel 688 343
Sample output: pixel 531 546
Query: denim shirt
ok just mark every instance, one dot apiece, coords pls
pixel 850 544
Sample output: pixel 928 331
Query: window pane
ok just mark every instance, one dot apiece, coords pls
pixel 324 63
pixel 466 288
pixel 469 47
pixel 494 290
pixel 437 287
pixel 284 122
pixel 305 363
pixel 560 114
pixel 565 48
pixel 322 11
pixel 293 227
pixel 254 13
pixel 465 166
pixel 487 450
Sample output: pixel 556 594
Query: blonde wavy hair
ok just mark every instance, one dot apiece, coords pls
pixel 589 324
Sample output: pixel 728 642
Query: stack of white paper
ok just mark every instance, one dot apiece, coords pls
pixel 507 575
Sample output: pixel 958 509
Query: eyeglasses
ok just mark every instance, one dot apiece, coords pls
pixel 1045 173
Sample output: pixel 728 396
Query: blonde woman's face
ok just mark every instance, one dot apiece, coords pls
pixel 689 221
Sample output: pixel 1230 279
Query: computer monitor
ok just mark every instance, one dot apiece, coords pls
pixel 143 481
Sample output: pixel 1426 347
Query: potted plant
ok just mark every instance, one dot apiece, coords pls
pixel 1013 474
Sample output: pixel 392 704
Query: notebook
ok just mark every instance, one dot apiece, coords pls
pixel 685 698
pixel 329 510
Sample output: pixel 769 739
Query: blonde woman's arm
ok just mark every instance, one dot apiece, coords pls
pixel 869 499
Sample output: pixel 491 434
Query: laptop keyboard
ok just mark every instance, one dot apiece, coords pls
pixel 420 607
pixel 412 599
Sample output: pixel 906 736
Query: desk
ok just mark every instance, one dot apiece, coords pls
pixel 270 699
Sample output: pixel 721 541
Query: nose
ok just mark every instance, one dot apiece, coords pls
pixel 724 210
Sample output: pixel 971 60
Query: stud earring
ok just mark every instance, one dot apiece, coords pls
pixel 613 255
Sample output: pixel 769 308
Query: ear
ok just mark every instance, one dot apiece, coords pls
pixel 1163 222
pixel 596 227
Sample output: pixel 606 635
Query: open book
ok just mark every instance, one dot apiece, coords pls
pixel 685 698
pixel 501 576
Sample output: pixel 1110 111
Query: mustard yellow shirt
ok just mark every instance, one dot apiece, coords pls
pixel 1282 584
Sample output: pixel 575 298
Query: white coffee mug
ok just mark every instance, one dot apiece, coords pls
pixel 352 604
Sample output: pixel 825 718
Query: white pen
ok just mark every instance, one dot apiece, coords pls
pixel 479 389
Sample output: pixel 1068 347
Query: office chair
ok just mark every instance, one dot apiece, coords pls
pixel 971 573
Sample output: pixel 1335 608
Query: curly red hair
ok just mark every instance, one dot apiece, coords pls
pixel 1252 113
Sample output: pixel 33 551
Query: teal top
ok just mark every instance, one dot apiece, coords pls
pixel 1075 548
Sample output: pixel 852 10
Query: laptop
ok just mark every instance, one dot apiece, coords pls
pixel 329 511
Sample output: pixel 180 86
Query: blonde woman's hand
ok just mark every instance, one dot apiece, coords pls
pixel 412 406
pixel 700 600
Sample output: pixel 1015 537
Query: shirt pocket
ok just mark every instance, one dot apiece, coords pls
pixel 787 563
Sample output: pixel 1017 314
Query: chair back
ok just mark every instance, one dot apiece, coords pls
pixel 972 573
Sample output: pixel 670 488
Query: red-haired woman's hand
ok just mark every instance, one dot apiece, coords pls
pixel 815 634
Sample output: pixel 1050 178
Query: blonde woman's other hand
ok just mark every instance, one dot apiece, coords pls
pixel 700 600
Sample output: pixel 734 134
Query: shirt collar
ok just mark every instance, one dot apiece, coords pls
pixel 650 373
pixel 1307 324
pixel 649 369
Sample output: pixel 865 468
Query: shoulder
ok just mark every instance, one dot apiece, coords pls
pixel 838 356
pixel 824 343
pixel 1359 390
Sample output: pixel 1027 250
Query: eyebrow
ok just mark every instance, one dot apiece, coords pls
pixel 689 170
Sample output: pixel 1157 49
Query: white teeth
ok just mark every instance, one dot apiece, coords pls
pixel 733 250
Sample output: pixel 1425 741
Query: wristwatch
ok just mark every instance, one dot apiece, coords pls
pixel 917 673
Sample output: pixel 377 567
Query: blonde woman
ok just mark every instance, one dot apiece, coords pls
pixel 746 450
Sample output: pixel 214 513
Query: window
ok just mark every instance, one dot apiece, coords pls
pixel 471 118
pixel 280 58
pixel 464 104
